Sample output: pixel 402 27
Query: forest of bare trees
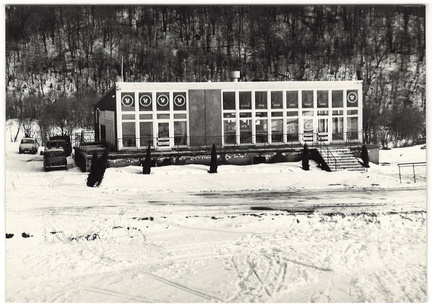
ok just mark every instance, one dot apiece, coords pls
pixel 62 58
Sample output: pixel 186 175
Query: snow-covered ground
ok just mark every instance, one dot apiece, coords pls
pixel 260 233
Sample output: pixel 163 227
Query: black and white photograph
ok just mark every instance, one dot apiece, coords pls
pixel 202 152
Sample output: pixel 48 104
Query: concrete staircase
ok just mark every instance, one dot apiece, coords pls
pixel 340 159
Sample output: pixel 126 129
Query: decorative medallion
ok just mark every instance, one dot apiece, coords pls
pixel 163 100
pixel 352 97
pixel 127 100
pixel 179 100
pixel 145 100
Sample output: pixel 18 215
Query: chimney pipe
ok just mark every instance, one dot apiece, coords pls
pixel 234 76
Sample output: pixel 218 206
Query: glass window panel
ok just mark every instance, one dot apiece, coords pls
pixel 146 116
pixel 352 126
pixel 261 99
pixel 229 100
pixel 261 114
pixel 292 129
pixel 179 99
pixel 163 129
pixel 230 131
pixel 229 115
pixel 307 99
pixel 337 98
pixel 128 101
pixel 292 99
pixel 146 133
pixel 162 101
pixel 352 98
pixel 277 114
pixel 322 125
pixel 246 131
pixel 128 134
pixel 308 113
pixel 163 116
pixel 128 117
pixel 277 130
pixel 245 100
pixel 337 112
pixel 337 128
pixel 245 115
pixel 180 116
pixel 261 130
pixel 276 99
pixel 145 101
pixel 323 113
pixel 292 114
pixel 322 98
pixel 352 112
pixel 180 133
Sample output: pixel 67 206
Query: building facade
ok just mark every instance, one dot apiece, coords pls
pixel 183 115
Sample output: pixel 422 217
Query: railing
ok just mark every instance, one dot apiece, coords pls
pixel 353 143
pixel 413 165
pixel 329 155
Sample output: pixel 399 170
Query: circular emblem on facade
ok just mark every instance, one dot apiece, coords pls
pixel 179 100
pixel 163 100
pixel 352 97
pixel 145 100
pixel 127 100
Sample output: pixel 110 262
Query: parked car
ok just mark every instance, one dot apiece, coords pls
pixel 28 145
pixel 63 141
pixel 54 158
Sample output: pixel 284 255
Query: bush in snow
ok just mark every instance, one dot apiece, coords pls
pixel 97 169
pixel 213 161
pixel 305 157
pixel 364 155
pixel 146 164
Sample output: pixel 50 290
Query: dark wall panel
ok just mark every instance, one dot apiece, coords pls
pixel 197 117
pixel 213 117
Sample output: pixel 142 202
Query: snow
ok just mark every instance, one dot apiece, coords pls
pixel 266 233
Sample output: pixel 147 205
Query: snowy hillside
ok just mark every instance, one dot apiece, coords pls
pixel 260 233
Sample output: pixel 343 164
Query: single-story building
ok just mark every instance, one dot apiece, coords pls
pixel 187 115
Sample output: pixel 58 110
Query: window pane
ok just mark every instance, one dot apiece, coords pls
pixel 229 100
pixel 179 100
pixel 146 133
pixel 292 129
pixel 292 99
pixel 180 133
pixel 277 130
pixel 276 99
pixel 230 131
pixel 127 102
pixel 261 99
pixel 245 131
pixel 307 99
pixel 337 129
pixel 352 98
pixel 352 126
pixel 245 100
pixel 337 98
pixel 128 134
pixel 162 101
pixel 322 98
pixel 145 101
pixel 261 128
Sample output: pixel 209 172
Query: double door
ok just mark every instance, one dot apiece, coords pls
pixel 315 129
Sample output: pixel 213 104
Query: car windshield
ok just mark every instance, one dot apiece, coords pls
pixel 27 141
pixel 53 154
pixel 58 143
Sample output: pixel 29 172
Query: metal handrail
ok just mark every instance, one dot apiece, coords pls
pixel 329 154
pixel 413 165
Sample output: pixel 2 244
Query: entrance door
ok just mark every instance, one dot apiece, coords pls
pixel 163 136
pixel 308 130
pixel 323 134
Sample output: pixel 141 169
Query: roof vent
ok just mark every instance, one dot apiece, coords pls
pixel 234 76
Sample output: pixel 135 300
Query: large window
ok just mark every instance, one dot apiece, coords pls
pixel 246 131
pixel 128 134
pixel 352 127
pixel 230 128
pixel 292 129
pixel 307 99
pixel 229 101
pixel 337 129
pixel 180 133
pixel 277 130
pixel 146 133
